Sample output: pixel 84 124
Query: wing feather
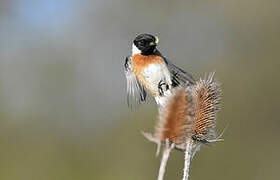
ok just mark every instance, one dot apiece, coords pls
pixel 179 76
pixel 136 92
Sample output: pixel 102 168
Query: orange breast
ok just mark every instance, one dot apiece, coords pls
pixel 139 62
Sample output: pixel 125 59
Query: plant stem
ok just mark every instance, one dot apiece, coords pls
pixel 164 160
pixel 188 157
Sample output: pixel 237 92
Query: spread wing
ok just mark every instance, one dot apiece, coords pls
pixel 136 93
pixel 179 76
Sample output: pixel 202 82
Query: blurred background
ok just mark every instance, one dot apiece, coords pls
pixel 63 112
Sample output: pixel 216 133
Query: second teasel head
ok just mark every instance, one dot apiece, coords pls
pixel 206 95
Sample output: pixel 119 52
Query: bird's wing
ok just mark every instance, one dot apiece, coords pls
pixel 178 75
pixel 136 92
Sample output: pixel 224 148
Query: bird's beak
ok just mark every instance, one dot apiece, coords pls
pixel 155 43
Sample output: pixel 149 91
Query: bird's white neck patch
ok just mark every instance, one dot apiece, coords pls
pixel 135 50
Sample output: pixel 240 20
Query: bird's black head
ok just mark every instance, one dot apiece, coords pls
pixel 145 44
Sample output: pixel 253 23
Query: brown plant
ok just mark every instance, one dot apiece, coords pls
pixel 188 120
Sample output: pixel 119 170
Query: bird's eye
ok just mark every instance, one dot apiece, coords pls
pixel 142 42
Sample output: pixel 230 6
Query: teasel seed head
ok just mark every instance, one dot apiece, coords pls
pixel 176 118
pixel 206 95
pixel 190 112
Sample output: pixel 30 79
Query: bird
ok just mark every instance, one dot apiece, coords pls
pixel 147 70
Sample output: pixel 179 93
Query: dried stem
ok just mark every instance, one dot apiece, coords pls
pixel 188 157
pixel 164 160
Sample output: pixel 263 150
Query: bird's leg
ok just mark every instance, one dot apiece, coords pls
pixel 162 87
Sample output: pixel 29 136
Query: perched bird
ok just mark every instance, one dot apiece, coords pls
pixel 147 70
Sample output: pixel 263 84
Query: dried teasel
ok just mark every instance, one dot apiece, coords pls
pixel 188 118
pixel 206 98
pixel 174 123
pixel 176 118
pixel 206 95
pixel 189 112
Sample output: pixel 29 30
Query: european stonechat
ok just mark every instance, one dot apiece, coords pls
pixel 147 70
